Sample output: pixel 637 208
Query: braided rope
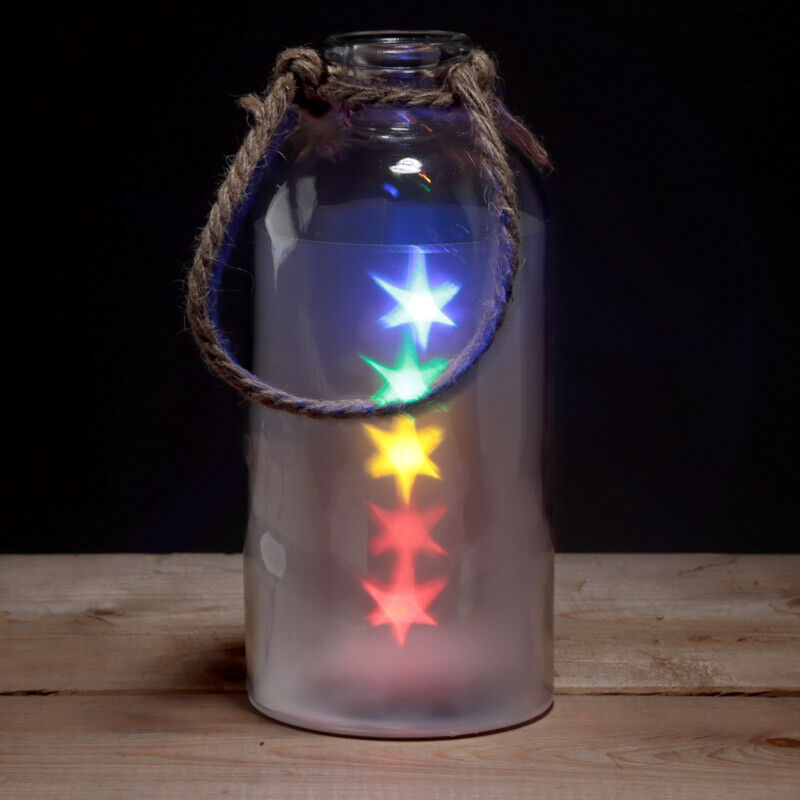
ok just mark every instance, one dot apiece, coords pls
pixel 302 72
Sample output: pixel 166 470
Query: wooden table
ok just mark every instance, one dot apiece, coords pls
pixel 678 676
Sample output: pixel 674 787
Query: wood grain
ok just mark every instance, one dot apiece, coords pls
pixel 678 623
pixel 117 623
pixel 177 746
pixel 637 624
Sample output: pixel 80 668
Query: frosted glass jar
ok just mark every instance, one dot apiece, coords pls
pixel 398 569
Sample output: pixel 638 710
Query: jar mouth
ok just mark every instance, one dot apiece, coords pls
pixel 396 50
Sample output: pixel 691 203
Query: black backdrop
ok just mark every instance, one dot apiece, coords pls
pixel 674 276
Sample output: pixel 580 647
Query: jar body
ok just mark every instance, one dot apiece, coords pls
pixel 398 569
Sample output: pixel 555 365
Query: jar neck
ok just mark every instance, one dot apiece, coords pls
pixel 412 59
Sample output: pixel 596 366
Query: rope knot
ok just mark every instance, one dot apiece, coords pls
pixel 477 72
pixel 305 64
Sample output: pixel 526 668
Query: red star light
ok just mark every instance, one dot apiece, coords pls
pixel 403 605
pixel 406 530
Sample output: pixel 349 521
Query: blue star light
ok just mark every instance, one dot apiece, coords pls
pixel 417 303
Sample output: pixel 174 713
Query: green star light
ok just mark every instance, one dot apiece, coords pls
pixel 407 380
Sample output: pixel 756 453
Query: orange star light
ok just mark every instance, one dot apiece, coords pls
pixel 403 605
pixel 403 452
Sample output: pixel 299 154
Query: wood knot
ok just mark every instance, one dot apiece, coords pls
pixel 782 741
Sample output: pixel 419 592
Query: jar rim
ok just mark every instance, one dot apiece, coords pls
pixel 400 50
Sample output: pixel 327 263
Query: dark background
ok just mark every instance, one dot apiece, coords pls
pixel 674 264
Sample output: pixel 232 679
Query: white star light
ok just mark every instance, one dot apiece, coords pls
pixel 418 304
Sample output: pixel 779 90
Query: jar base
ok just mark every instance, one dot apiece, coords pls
pixel 373 729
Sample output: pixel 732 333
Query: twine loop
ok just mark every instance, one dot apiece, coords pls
pixel 301 75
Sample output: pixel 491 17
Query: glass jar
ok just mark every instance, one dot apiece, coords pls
pixel 398 569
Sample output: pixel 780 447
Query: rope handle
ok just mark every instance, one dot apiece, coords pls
pixel 302 72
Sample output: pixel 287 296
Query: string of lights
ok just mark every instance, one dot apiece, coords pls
pixel 403 451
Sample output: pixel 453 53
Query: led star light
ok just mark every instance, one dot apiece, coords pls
pixel 417 303
pixel 406 531
pixel 403 605
pixel 407 379
pixel 403 452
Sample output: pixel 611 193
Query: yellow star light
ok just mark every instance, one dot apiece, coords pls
pixel 403 452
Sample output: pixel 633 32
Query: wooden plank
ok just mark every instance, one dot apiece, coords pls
pixel 121 623
pixel 683 624
pixel 177 746
pixel 678 623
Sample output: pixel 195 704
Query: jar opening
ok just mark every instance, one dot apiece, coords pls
pixel 396 50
